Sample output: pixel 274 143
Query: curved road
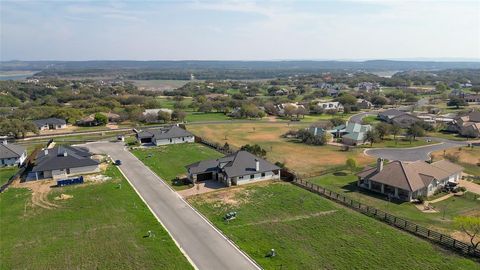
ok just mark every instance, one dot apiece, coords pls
pixel 204 246
pixel 415 153
pixel 357 118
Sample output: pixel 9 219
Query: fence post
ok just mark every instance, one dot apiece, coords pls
pixel 416 228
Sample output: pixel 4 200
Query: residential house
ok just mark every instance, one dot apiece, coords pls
pixel 238 168
pixel 281 107
pixel 364 104
pixel 368 86
pixel 62 162
pixel 408 180
pixel 397 117
pixel 50 123
pixel 12 154
pixel 90 120
pixel 351 133
pixel 470 98
pixel 467 125
pixel 330 106
pixel 164 136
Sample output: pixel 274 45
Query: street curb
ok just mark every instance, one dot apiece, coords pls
pixel 200 215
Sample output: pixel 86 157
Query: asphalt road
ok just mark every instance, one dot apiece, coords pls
pixel 413 154
pixel 206 247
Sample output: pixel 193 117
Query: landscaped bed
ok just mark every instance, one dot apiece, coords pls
pixel 310 232
pixel 169 161
pixel 90 226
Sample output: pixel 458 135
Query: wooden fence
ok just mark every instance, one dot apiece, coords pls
pixel 439 238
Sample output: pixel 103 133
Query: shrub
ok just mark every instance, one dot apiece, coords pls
pixel 421 199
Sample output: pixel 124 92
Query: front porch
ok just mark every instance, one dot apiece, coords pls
pixel 390 191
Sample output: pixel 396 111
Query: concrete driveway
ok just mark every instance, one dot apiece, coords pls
pixel 203 244
pixel 415 153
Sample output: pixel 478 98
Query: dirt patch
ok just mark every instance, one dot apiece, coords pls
pixel 112 126
pixel 40 190
pixel 425 208
pixel 97 178
pixel 63 197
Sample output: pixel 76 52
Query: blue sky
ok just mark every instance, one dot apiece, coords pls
pixel 239 30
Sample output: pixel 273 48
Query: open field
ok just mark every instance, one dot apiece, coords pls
pixel 345 183
pixel 302 158
pixel 401 142
pixel 201 117
pixel 159 85
pixel 468 158
pixel 310 232
pixel 101 227
pixel 169 161
pixel 6 173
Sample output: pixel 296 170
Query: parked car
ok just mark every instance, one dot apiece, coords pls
pixel 118 162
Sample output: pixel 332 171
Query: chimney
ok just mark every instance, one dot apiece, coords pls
pixel 257 165
pixel 45 151
pixel 379 164
pixel 4 142
pixel 65 154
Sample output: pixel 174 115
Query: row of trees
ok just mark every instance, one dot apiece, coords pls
pixel 382 130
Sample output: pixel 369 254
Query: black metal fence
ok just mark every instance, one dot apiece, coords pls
pixel 216 146
pixel 439 238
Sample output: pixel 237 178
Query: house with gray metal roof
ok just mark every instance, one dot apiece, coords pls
pixel 164 136
pixel 12 154
pixel 238 168
pixel 50 123
pixel 63 162
pixel 351 133
pixel 408 180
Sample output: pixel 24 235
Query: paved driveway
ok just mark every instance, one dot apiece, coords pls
pixel 206 247
pixel 413 154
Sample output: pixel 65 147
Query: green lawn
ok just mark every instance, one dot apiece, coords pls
pixel 319 117
pixel 370 120
pixel 399 143
pixel 6 173
pixel 345 183
pixel 169 161
pixel 447 135
pixel 101 227
pixel 310 232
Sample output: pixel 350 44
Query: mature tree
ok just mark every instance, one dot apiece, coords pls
pixel 309 138
pixel 441 87
pixel 476 89
pixel 301 111
pixel 289 110
pixel 395 131
pixel 179 115
pixel 179 105
pixel 470 225
pixel 415 131
pixel 371 136
pixel 382 129
pixel 456 102
pixel 101 119
pixel 164 116
pixel 347 99
pixel 254 149
pixel 337 121
pixel 205 107
pixel 16 127
pixel 379 101
pixel 351 164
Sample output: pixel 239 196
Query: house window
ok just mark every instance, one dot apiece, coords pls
pixel 240 177
pixel 263 174
pixel 252 176
pixel 183 139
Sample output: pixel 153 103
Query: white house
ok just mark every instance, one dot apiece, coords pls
pixel 238 168
pixel 12 154
pixel 50 123
pixel 164 136
pixel 330 105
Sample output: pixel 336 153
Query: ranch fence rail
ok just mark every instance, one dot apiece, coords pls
pixel 439 238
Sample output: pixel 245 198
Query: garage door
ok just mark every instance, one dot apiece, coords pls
pixel 204 176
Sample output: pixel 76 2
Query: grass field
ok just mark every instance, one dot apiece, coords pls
pixel 6 173
pixel 201 117
pixel 389 142
pixel 468 158
pixel 101 227
pixel 159 85
pixel 169 161
pixel 302 158
pixel 345 183
pixel 310 232
pixel 370 120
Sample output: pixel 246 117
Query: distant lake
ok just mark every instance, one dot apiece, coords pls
pixel 15 75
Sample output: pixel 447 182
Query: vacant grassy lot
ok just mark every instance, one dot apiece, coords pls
pixel 101 227
pixel 310 232
pixel 344 182
pixel 468 158
pixel 169 161
pixel 203 117
pixel 401 142
pixel 6 173
pixel 302 158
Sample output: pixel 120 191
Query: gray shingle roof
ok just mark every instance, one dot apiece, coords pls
pixel 236 164
pixel 56 160
pixel 48 121
pixel 11 150
pixel 164 133
pixel 391 113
